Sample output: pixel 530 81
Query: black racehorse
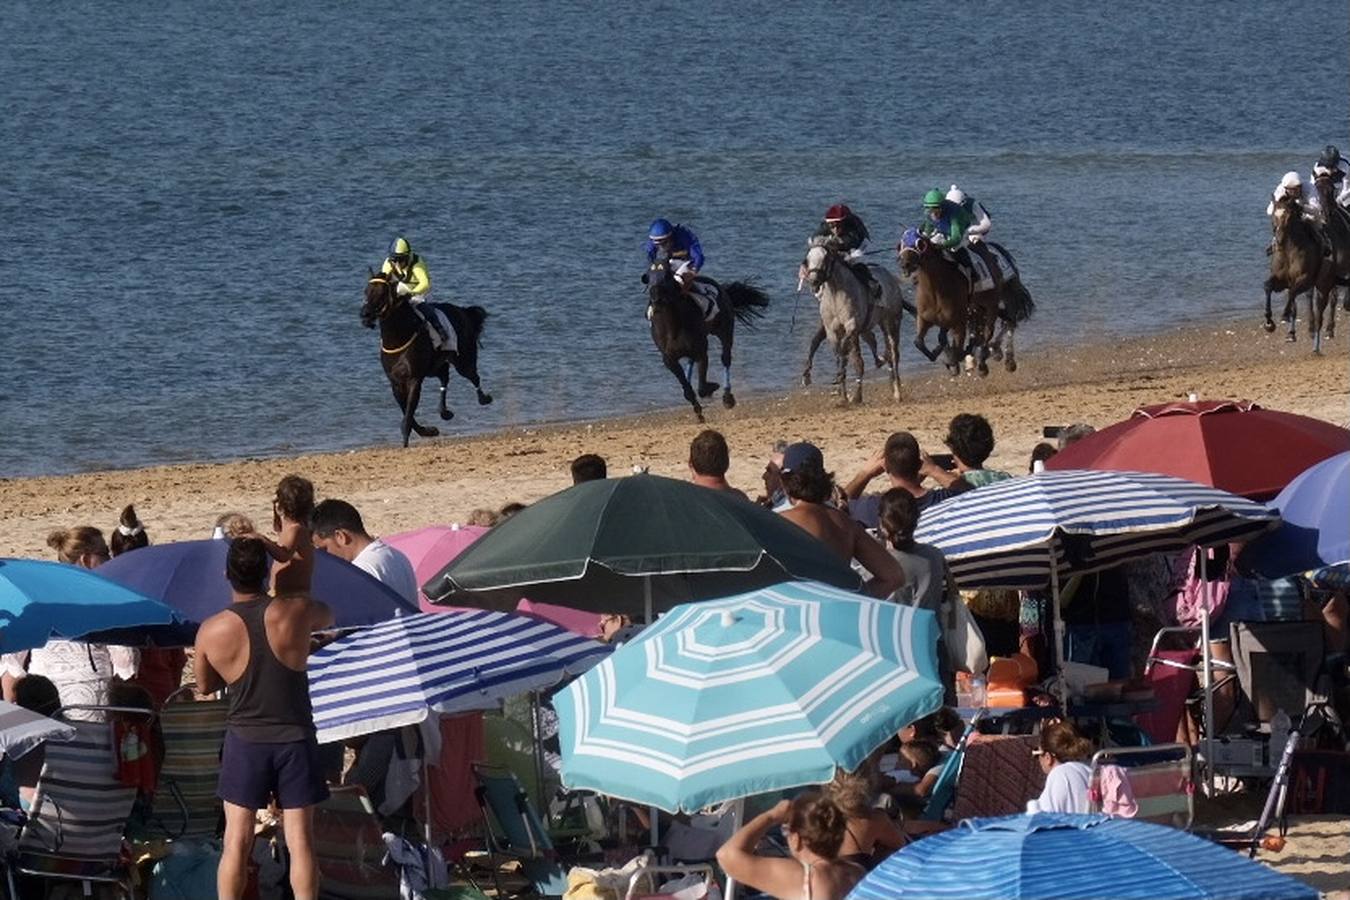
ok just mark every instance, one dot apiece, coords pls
pixel 681 333
pixel 408 355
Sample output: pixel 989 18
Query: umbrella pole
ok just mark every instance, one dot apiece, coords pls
pixel 1057 629
pixel 1206 670
pixel 426 790
pixel 654 813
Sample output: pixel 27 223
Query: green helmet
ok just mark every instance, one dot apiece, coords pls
pixel 933 199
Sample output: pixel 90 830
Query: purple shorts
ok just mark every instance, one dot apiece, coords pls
pixel 252 773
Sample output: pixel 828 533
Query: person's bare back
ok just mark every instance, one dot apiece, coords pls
pixel 222 648
pixel 837 530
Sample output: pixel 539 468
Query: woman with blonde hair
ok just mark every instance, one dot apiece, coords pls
pixel 866 828
pixel 814 828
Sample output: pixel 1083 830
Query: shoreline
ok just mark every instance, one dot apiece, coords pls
pixel 442 480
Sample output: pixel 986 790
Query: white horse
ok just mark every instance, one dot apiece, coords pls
pixel 847 312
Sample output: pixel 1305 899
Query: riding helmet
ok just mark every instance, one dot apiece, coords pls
pixel 933 199
pixel 661 230
pixel 1330 158
pixel 1290 181
pixel 400 247
pixel 837 213
pixel 956 195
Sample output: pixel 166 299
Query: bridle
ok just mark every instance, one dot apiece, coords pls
pixel 386 307
pixel 826 268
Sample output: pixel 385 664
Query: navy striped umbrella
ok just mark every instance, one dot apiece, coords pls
pixel 1072 857
pixel 398 672
pixel 1006 534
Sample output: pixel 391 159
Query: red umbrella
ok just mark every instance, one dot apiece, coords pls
pixel 1233 445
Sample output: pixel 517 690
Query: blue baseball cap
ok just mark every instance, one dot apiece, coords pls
pixel 799 454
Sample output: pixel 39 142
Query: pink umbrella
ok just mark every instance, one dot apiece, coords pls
pixel 585 624
pixel 430 549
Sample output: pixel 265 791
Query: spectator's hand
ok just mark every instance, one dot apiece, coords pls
pixel 781 811
pixel 927 467
pixel 876 465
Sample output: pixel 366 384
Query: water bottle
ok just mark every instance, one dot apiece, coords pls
pixel 1280 723
pixel 979 693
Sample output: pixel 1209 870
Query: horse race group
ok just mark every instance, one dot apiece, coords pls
pixel 967 286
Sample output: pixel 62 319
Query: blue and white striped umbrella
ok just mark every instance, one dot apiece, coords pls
pixel 398 672
pixel 756 692
pixel 1002 535
pixel 1072 857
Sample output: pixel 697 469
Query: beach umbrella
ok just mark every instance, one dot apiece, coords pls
pixel 1315 531
pixel 431 549
pixel 21 730
pixel 636 545
pixel 399 672
pixel 1072 857
pixel 762 691
pixel 190 577
pixel 1229 444
pixel 586 624
pixel 1331 578
pixel 43 600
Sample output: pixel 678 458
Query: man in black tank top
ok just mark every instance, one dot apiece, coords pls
pixel 257 647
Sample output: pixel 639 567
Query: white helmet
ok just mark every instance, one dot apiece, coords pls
pixel 955 196
pixel 1290 180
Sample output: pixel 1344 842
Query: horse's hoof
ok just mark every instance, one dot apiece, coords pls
pixel 856 398
pixel 698 415
pixel 1290 338
pixel 983 370
pixel 708 390
pixel 447 415
pixel 996 354
pixel 728 400
pixel 1268 325
pixel 1010 364
pixel 484 399
pixel 429 431
pixel 806 379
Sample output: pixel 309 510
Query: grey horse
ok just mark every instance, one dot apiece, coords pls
pixel 847 312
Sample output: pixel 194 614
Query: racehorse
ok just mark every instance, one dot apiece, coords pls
pixel 944 296
pixel 1338 231
pixel 1298 266
pixel 680 331
pixel 408 355
pixel 848 314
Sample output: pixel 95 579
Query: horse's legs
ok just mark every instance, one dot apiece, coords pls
pixel 871 340
pixel 443 376
pixel 855 351
pixel 414 397
pixel 1009 355
pixel 816 340
pixel 1291 315
pixel 400 389
pixel 467 367
pixel 890 331
pixel 956 345
pixel 1331 308
pixel 921 339
pixel 841 361
pixel 1269 324
pixel 728 398
pixel 706 388
pixel 1317 305
pixel 678 371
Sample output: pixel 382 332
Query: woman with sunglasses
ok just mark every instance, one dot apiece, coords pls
pixel 813 827
pixel 1062 753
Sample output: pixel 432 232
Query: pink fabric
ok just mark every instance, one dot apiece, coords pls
pixel 1194 594
pixel 574 620
pixel 453 807
pixel 431 549
pixel 1117 796
pixel 1171 686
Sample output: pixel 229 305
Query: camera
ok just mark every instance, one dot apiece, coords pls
pixel 1052 431
pixel 944 461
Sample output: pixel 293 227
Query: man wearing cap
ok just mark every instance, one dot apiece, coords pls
pixel 810 489
pixel 906 466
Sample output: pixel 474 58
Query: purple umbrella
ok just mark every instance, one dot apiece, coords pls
pixel 190 577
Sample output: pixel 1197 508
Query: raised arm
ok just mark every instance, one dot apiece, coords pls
pixel 859 482
pixel 774 876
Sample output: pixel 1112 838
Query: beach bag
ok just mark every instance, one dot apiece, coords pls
pixel 964 640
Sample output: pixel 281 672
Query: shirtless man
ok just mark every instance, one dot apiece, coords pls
pixel 809 488
pixel 259 646
pixel 293 549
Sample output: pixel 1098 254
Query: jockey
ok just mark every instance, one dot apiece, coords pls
pixel 1293 188
pixel 679 245
pixel 980 223
pixel 842 231
pixel 1330 163
pixel 945 227
pixel 408 271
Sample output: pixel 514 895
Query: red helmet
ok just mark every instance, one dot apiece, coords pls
pixel 837 213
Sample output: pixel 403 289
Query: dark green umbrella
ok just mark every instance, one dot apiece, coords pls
pixel 635 546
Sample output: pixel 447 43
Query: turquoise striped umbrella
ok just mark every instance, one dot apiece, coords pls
pixel 757 692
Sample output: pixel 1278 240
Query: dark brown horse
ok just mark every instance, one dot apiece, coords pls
pixel 1338 233
pixel 944 296
pixel 1299 265
pixel 408 356
pixel 681 333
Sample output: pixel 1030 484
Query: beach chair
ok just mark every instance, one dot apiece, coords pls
pixel 944 789
pixel 349 845
pixel 1279 666
pixel 1161 777
pixel 513 830
pixel 194 732
pixel 74 831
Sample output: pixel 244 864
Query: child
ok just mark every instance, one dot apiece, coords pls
pixel 293 549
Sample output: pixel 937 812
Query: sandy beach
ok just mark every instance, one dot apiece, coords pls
pixel 443 480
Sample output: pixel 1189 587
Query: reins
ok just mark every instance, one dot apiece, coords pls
pixel 385 309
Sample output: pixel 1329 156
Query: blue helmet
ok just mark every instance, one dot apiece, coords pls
pixel 661 230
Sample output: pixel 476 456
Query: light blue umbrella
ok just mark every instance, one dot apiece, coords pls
pixel 757 692
pixel 1315 532
pixel 1072 857
pixel 44 600
pixel 399 672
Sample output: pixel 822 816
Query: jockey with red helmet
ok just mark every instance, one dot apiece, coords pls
pixel 843 232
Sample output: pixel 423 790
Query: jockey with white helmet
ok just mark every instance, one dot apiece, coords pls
pixel 408 271
pixel 1293 187
pixel 979 216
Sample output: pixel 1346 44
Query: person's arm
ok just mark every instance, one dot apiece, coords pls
pixel 774 876
pixel 884 832
pixel 887 576
pixel 930 469
pixel 203 673
pixel 695 251
pixel 419 281
pixel 859 482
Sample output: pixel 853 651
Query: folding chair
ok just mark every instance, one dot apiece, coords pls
pixel 1161 777
pixel 944 789
pixel 513 829
pixel 1279 666
pixel 74 831
pixel 350 849
pixel 194 732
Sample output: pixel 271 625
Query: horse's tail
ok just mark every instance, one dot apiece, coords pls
pixel 1017 303
pixel 747 301
pixel 477 316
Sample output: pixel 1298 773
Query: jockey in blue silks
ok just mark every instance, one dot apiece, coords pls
pixel 680 246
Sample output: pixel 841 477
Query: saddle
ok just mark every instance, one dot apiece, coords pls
pixel 708 297
pixel 864 274
pixel 436 322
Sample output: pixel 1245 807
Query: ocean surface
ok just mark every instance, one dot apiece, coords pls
pixel 190 194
